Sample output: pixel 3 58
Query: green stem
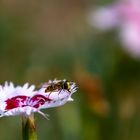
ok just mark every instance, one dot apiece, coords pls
pixel 28 128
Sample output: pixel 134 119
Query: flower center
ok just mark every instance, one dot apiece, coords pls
pixel 38 100
pixel 18 101
pixel 22 101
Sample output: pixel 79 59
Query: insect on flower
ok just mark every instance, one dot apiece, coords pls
pixel 58 85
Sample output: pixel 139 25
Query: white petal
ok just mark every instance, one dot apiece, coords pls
pixel 19 111
pixel 31 88
pixel 25 86
pixel 54 103
pixel 70 99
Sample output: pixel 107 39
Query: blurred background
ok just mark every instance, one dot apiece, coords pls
pixel 42 40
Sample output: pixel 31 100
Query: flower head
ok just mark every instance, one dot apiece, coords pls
pixel 24 100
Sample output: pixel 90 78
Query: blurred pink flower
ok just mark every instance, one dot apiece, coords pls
pixel 125 15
